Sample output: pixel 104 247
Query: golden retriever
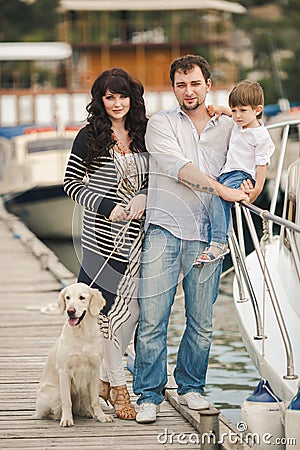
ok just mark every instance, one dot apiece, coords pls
pixel 69 382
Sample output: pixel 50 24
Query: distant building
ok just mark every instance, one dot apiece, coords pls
pixel 40 84
pixel 145 36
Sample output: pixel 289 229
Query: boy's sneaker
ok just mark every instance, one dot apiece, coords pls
pixel 193 400
pixel 147 413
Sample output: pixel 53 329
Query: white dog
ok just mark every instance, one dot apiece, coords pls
pixel 69 382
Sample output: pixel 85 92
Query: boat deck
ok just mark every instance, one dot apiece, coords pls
pixel 31 277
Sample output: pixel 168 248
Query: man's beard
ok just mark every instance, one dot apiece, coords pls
pixel 192 107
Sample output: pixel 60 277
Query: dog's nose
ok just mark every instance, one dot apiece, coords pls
pixel 71 312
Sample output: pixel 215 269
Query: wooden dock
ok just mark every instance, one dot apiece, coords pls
pixel 30 278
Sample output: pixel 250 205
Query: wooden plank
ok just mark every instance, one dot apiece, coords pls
pixel 27 332
pixel 28 328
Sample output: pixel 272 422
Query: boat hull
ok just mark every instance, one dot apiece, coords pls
pixel 269 356
pixel 46 210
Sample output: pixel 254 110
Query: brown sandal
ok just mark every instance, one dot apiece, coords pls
pixel 120 399
pixel 104 390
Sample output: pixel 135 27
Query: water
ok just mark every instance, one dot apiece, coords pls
pixel 231 374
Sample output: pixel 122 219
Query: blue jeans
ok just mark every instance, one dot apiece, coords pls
pixel 166 260
pixel 219 209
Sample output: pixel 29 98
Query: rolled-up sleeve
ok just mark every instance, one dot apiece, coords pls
pixel 163 145
pixel 264 150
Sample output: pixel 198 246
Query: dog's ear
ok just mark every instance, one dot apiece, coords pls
pixel 61 301
pixel 97 302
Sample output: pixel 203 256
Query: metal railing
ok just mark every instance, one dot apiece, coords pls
pixel 286 126
pixel 238 253
pixel 267 215
pixel 243 278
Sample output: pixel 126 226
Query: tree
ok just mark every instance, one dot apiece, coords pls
pixel 13 23
pixel 271 39
pixel 292 68
pixel 29 22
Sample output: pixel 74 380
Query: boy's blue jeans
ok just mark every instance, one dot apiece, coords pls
pixel 219 209
pixel 165 260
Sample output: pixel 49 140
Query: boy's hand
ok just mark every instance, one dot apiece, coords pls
pixel 249 189
pixel 211 110
pixel 218 110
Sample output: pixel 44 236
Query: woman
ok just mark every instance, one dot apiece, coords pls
pixel 107 174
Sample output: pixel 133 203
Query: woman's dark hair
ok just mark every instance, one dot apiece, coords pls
pixel 99 134
pixel 187 63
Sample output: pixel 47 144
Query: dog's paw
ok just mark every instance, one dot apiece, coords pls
pixel 100 416
pixel 107 418
pixel 66 422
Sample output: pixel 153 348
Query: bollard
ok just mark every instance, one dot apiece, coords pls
pixel 209 429
pixel 44 257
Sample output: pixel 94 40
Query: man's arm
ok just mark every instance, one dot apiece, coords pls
pixel 192 177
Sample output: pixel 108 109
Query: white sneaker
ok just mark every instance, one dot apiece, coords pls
pixel 147 413
pixel 193 400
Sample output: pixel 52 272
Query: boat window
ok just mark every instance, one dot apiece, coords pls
pixel 2 161
pixel 291 208
pixel 5 156
pixel 293 133
pixel 33 74
pixel 46 145
pixel 290 215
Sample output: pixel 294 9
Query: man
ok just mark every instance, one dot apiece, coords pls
pixel 184 144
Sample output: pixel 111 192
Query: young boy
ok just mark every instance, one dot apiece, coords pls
pixel 248 156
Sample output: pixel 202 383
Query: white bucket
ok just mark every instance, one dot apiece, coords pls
pixel 263 414
pixel 265 424
pixel 292 424
pixel 292 429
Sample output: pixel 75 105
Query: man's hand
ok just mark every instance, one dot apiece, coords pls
pixel 232 195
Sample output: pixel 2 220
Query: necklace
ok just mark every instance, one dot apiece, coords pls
pixel 128 164
pixel 119 146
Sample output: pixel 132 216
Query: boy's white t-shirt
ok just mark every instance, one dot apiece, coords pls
pixel 248 148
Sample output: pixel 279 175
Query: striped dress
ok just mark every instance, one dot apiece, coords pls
pixel 110 250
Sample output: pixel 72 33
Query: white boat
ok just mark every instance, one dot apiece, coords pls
pixel 266 286
pixel 289 138
pixel 33 161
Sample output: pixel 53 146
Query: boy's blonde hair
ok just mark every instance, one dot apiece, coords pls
pixel 247 93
